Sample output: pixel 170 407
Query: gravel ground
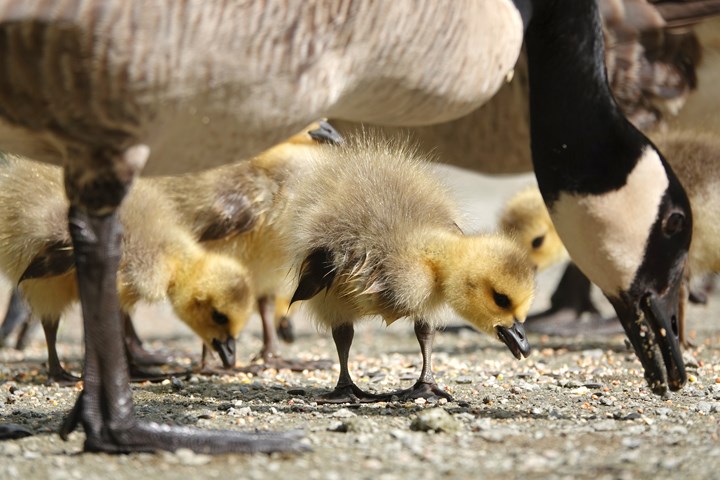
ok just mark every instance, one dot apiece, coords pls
pixel 577 408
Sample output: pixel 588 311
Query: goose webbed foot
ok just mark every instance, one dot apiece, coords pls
pixel 572 311
pixel 134 436
pixel 422 389
pixel 351 394
pixel 13 431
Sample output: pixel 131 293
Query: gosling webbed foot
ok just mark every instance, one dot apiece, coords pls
pixel 149 358
pixel 62 377
pixel 13 431
pixel 426 390
pixel 139 375
pixel 351 394
pixel 572 310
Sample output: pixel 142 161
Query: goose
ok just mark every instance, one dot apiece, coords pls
pixel 376 234
pixel 100 87
pixel 209 292
pixel 240 210
pixel 654 57
pixel 693 156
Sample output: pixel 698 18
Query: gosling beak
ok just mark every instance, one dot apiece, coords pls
pixel 651 323
pixel 515 339
pixel 326 133
pixel 226 351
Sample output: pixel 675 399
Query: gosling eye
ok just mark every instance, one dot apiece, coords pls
pixel 538 241
pixel 674 223
pixel 501 300
pixel 219 318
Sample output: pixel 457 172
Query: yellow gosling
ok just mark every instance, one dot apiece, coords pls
pixel 375 233
pixel 240 210
pixel 161 260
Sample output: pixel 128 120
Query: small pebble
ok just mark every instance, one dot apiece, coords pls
pixel 436 420
pixel 343 413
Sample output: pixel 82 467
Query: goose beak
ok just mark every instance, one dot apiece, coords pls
pixel 515 339
pixel 326 133
pixel 226 350
pixel 651 323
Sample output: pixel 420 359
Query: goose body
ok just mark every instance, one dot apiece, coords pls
pixel 376 234
pixel 100 85
pixel 161 260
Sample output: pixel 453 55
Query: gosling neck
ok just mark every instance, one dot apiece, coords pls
pixel 185 261
pixel 442 251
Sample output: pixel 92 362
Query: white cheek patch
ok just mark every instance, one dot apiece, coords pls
pixel 606 234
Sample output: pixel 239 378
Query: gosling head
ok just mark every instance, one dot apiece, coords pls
pixel 214 298
pixel 526 218
pixel 489 281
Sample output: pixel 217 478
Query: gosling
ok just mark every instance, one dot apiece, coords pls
pixel 377 232
pixel 211 293
pixel 525 217
pixel 240 210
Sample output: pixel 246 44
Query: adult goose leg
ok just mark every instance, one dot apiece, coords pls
pixel 105 407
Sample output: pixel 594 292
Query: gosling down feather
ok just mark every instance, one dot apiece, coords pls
pixel 375 233
pixel 241 210
pixel 211 293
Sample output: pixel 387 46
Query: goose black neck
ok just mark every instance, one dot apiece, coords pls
pixel 581 142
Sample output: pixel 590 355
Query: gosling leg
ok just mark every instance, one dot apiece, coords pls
pixel 269 353
pixel 425 387
pixel 18 316
pixel 346 391
pixel 56 373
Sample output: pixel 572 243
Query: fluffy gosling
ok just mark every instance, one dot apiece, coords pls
pixel 240 210
pixel 377 232
pixel 211 293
